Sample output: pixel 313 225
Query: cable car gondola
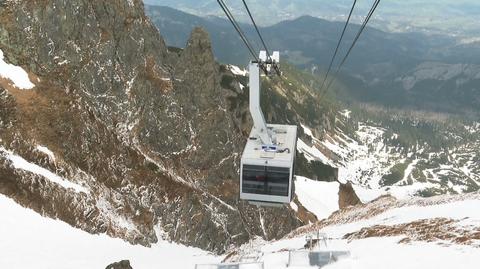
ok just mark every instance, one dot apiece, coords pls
pixel 267 164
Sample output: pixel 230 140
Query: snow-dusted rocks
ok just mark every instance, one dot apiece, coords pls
pixel 372 158
pixel 20 163
pixel 154 134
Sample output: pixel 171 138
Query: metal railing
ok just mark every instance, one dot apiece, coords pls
pixel 314 254
pixel 314 258
pixel 240 265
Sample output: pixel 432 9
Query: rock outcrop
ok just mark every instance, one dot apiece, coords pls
pixel 347 196
pixel 154 135
pixel 124 264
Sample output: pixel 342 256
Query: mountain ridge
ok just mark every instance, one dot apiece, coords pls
pixel 148 135
pixel 151 135
pixel 154 134
pixel 373 73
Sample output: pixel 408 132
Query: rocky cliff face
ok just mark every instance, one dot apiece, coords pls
pixel 153 137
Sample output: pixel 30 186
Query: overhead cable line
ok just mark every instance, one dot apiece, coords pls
pixel 365 22
pixel 256 28
pixel 269 58
pixel 237 28
pixel 338 45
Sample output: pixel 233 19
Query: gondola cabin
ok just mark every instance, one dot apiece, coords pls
pixel 267 172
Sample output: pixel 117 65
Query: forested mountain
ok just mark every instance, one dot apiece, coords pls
pixel 402 70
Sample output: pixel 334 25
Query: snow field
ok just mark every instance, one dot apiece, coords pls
pixel 29 240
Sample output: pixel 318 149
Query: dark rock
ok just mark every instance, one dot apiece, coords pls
pixel 125 264
pixel 7 109
pixel 347 196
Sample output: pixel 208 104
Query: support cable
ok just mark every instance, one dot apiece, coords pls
pixel 237 28
pixel 338 45
pixel 365 22
pixel 269 58
pixel 256 28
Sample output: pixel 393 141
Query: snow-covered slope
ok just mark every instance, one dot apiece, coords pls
pixel 320 198
pixel 29 240
pixel 439 232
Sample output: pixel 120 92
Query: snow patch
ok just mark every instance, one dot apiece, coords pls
pixel 15 73
pixel 20 163
pixel 346 113
pixel 294 206
pixel 46 151
pixel 312 153
pixel 307 131
pixel 130 85
pixel 409 169
pixel 237 70
pixel 367 195
pixel 107 209
pixel 318 197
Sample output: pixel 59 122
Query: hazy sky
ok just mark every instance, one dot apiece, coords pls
pixel 450 16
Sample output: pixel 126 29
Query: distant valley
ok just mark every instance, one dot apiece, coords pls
pixel 401 70
pixel 458 17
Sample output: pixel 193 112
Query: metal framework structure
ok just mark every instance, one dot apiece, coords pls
pixel 251 265
pixel 317 253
